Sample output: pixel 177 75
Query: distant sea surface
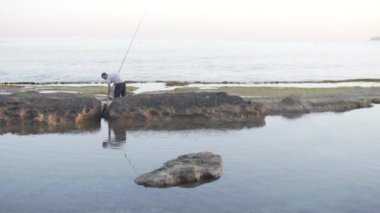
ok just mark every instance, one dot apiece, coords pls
pixel 81 59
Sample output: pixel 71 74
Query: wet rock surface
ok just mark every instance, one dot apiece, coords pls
pixel 184 110
pixel 60 112
pixel 188 170
pixel 49 111
pixel 376 100
pixel 293 105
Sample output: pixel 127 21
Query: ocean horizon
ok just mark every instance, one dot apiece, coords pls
pixel 52 59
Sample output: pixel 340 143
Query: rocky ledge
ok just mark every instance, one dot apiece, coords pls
pixel 186 171
pixel 32 112
pixel 293 105
pixel 181 110
pixel 376 100
pixel 54 111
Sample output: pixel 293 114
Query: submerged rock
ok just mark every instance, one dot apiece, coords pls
pixel 184 110
pixel 187 171
pixel 48 110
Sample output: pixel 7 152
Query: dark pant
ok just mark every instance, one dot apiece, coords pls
pixel 120 90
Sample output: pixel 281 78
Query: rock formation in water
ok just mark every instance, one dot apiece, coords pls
pixel 57 112
pixel 53 111
pixel 375 38
pixel 187 171
pixel 185 109
pixel 293 105
pixel 376 100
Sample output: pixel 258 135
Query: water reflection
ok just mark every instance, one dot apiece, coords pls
pixel 325 162
pixel 30 128
pixel 117 129
pixel 117 140
pixel 185 124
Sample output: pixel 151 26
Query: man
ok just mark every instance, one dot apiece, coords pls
pixel 119 84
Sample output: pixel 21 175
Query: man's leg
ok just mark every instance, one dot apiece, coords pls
pixel 123 90
pixel 117 91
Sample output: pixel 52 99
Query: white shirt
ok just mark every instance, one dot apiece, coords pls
pixel 113 78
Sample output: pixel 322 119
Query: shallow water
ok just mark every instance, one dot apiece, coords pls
pixel 324 162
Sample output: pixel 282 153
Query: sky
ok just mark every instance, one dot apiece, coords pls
pixel 232 19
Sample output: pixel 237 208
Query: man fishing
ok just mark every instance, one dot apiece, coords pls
pixel 119 84
pixel 114 78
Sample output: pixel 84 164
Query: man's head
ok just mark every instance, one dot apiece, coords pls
pixel 104 76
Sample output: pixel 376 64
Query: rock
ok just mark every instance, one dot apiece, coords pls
pixel 376 100
pixel 375 38
pixel 338 105
pixel 184 110
pixel 50 111
pixel 291 100
pixel 187 171
pixel 292 106
pixel 288 106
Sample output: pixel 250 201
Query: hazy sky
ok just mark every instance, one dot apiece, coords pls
pixel 232 19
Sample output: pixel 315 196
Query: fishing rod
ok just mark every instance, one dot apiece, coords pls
pixel 133 38
pixel 130 45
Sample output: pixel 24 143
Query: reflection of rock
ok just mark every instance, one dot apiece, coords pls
pixel 187 170
pixel 50 112
pixel 295 106
pixel 184 110
pixel 185 124
pixel 25 128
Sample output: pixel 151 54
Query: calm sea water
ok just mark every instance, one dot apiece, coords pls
pixel 319 163
pixel 80 59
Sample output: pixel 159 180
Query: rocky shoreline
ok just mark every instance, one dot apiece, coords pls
pixel 223 108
